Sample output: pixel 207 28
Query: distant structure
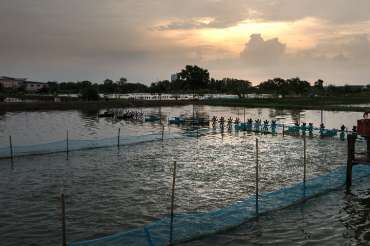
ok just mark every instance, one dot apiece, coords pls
pixel 15 83
pixel 12 83
pixel 174 77
pixel 35 86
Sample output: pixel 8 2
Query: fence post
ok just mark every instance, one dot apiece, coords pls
pixel 304 158
pixel 244 116
pixel 172 202
pixel 118 137
pixel 67 144
pixel 283 130
pixel 11 148
pixel 350 157
pixel 64 238
pixel 368 149
pixel 257 179
pixel 162 132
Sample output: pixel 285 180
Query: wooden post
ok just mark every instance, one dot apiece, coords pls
pixel 67 144
pixel 304 158
pixel 322 116
pixel 350 157
pixel 257 180
pixel 172 201
pixel 244 116
pixel 283 130
pixel 64 238
pixel 118 137
pixel 11 148
pixel 368 149
pixel 162 132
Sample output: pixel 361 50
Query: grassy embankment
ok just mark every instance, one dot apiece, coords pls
pixel 342 103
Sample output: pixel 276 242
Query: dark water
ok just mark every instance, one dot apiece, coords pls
pixel 335 218
pixel 109 190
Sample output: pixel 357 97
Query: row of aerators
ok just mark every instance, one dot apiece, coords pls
pixel 271 127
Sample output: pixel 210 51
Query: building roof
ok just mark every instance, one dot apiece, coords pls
pixel 11 78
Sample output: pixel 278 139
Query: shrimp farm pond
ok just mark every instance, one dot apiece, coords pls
pixel 233 186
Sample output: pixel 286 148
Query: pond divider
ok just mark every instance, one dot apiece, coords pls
pixel 184 227
pixel 68 145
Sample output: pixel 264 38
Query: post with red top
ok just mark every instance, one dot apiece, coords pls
pixel 363 129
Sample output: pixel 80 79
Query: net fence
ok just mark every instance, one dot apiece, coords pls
pixel 81 144
pixel 253 177
pixel 13 149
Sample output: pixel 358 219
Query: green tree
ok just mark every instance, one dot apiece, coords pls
pixel 108 86
pixel 298 86
pixel 277 86
pixel 319 87
pixel 195 77
pixel 89 94
pixel 236 86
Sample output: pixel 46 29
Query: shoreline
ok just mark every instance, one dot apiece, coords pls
pixel 328 104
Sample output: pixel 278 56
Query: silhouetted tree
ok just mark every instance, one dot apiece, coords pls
pixel 89 94
pixel 318 87
pixel 277 86
pixel 298 87
pixel 195 77
pixel 236 86
pixel 108 86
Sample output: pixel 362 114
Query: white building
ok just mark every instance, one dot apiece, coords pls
pixel 15 83
pixel 174 77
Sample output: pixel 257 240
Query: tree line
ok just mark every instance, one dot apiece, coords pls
pixel 197 80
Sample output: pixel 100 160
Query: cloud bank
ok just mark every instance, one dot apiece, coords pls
pixel 148 40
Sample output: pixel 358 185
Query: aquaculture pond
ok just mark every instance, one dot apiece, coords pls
pixel 115 189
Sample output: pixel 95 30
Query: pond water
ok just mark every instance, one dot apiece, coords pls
pixel 27 128
pixel 112 189
pixel 336 218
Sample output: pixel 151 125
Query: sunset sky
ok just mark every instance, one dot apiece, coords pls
pixel 148 40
